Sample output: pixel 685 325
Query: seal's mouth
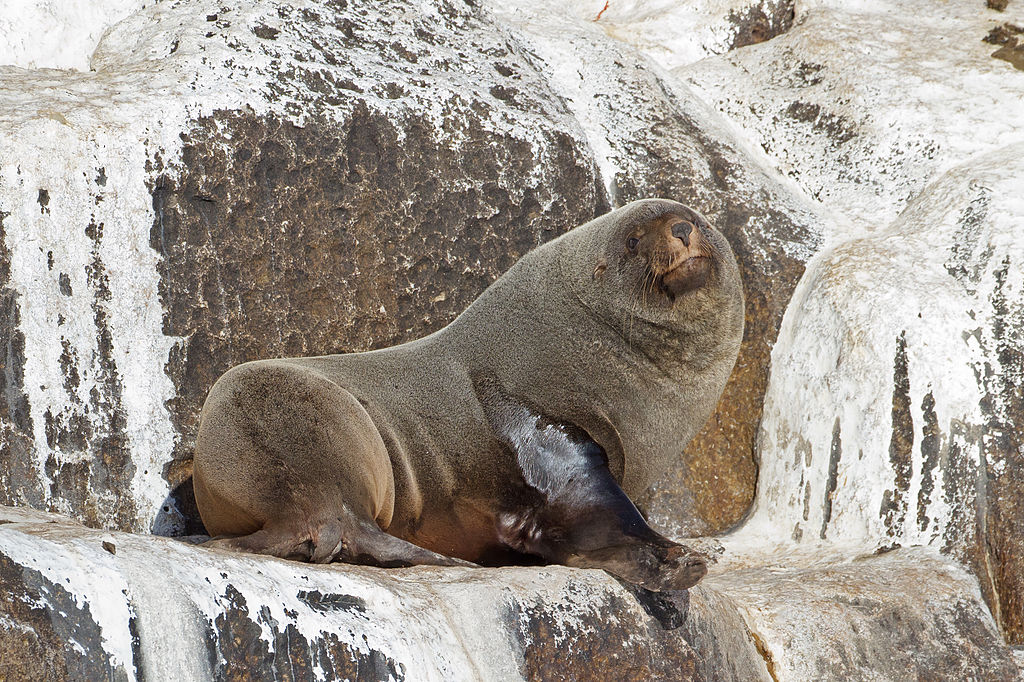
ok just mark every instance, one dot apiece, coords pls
pixel 686 275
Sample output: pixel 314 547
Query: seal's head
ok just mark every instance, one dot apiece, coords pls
pixel 654 263
pixel 668 253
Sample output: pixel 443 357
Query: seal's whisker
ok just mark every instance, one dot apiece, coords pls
pixel 637 298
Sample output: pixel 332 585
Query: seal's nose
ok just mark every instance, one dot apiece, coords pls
pixel 682 230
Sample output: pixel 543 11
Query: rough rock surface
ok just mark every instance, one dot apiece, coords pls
pixel 156 608
pixel 938 461
pixel 277 178
pixel 894 408
pixel 300 181
pixel 677 33
pixel 925 95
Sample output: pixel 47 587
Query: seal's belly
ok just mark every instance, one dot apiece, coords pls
pixel 465 531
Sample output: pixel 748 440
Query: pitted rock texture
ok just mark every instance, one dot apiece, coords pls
pixel 331 238
pixel 653 137
pixel 120 599
pixel 303 181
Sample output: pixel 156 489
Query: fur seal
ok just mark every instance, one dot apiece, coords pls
pixel 519 430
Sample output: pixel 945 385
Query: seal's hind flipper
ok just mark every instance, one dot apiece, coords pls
pixel 346 539
pixel 280 542
pixel 371 546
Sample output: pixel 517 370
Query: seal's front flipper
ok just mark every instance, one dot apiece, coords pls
pixel 570 509
pixel 656 568
pixel 607 531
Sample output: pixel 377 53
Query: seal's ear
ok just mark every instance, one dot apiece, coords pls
pixel 599 269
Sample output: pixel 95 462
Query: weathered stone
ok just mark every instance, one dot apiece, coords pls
pixel 921 301
pixel 673 34
pixel 160 609
pixel 191 613
pixel 72 31
pixel 725 646
pixel 276 179
pixel 899 615
pixel 864 104
pixel 654 138
pixel 598 651
pixel 759 23
pixel 45 634
pixel 17 477
pixel 939 462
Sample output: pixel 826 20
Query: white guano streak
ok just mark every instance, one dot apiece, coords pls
pixel 48 242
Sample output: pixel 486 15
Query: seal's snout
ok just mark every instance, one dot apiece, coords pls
pixel 678 256
pixel 689 263
pixel 683 230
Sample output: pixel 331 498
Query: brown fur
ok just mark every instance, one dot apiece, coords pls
pixel 628 342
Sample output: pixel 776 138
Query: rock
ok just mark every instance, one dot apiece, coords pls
pixel 918 299
pixel 653 137
pixel 673 34
pixel 906 427
pixel 273 180
pixel 901 615
pixel 925 95
pixel 162 609
pixel 72 30
pixel 289 178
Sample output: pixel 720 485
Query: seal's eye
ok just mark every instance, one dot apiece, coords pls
pixel 632 243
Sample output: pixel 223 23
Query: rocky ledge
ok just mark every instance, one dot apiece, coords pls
pixel 80 603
